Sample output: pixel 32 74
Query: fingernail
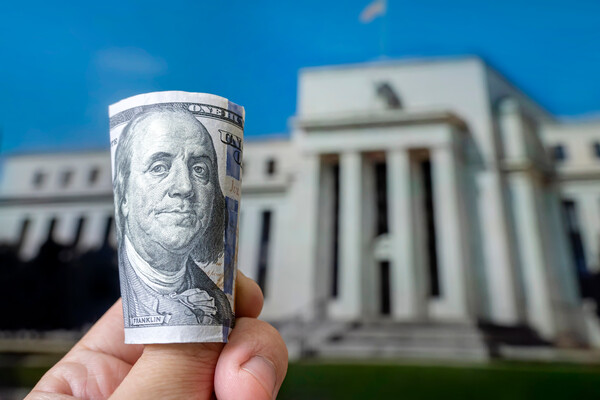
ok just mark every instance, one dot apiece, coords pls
pixel 264 372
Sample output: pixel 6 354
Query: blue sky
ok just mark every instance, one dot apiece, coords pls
pixel 63 63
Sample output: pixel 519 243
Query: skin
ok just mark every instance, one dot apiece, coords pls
pixel 251 366
pixel 170 195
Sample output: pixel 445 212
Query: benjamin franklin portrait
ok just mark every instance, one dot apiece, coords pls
pixel 170 217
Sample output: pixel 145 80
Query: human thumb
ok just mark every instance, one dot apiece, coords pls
pixel 172 371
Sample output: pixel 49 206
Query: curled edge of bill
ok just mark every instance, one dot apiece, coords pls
pixel 168 96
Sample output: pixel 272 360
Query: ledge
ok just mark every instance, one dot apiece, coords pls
pixel 565 176
pixel 264 188
pixel 65 199
pixel 379 118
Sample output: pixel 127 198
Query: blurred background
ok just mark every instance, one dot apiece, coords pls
pixel 421 183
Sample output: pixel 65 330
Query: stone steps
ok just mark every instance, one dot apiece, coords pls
pixel 411 332
pixel 431 342
pixel 370 351
pixel 387 339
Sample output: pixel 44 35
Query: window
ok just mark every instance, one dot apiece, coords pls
pixel 271 167
pixel 93 176
pixel 572 224
pixel 385 300
pixel 263 252
pixel 597 149
pixel 381 198
pixel 335 262
pixel 559 153
pixel 430 230
pixel 66 178
pixel 38 179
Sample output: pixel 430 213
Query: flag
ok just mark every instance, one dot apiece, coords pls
pixel 375 9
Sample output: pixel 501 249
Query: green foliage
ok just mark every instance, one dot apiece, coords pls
pixel 317 381
pixel 320 381
pixel 21 376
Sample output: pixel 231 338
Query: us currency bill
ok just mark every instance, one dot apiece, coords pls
pixel 176 162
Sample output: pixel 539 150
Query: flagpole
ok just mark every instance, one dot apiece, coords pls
pixel 382 32
pixel 377 9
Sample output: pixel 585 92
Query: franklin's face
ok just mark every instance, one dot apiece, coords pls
pixel 170 194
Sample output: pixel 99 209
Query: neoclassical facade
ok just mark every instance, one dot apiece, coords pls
pixel 425 191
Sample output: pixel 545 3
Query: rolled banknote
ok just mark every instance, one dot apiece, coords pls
pixel 176 166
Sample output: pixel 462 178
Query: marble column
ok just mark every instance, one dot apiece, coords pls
pixel 349 302
pixel 589 218
pixel 66 228
pixel 526 206
pixel 370 268
pixel 407 300
pixel 324 266
pixel 560 271
pixel 299 245
pixel 249 240
pixel 36 235
pixel 560 248
pixel 450 233
pixel 93 230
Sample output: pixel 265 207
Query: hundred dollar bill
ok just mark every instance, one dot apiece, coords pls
pixel 176 162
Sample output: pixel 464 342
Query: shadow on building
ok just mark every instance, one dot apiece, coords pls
pixel 61 288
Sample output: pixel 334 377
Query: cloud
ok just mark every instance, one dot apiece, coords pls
pixel 130 60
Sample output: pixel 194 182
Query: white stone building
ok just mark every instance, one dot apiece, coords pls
pixel 69 194
pixel 577 153
pixel 409 194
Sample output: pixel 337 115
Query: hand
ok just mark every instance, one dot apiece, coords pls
pixel 251 366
